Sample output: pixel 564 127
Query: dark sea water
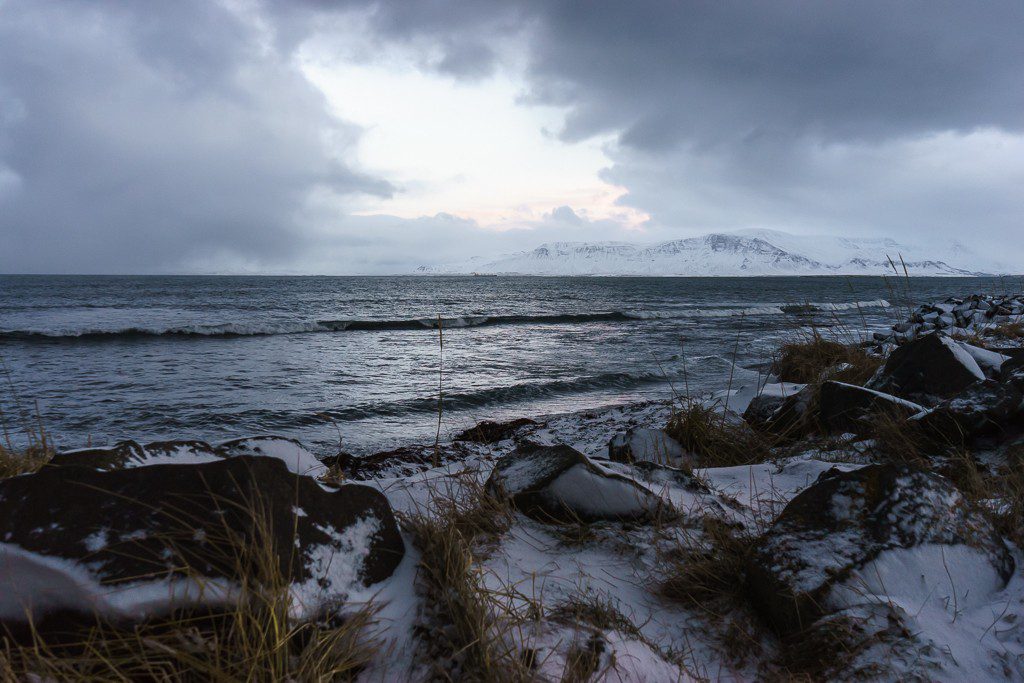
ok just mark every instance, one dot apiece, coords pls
pixel 108 358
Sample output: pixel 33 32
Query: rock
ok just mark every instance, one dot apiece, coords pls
pixel 1012 367
pixel 649 445
pixel 289 451
pixel 120 455
pixel 404 461
pixel 984 409
pixel 845 407
pixel 933 366
pixel 850 534
pixel 81 541
pixel 782 416
pixel 129 454
pixel 180 452
pixel 989 361
pixel 493 432
pixel 761 408
pixel 559 484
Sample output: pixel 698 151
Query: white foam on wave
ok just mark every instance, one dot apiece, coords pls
pixel 771 309
pixel 875 303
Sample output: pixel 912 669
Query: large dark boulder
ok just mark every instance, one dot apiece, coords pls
pixel 834 544
pixel 846 407
pixel 928 368
pixel 559 484
pixel 985 409
pixel 129 454
pixel 120 455
pixel 138 541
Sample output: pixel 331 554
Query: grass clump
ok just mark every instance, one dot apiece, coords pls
pixel 717 441
pixel 249 635
pixel 15 461
pixel 468 637
pixel 897 439
pixel 37 450
pixel 704 573
pixel 1006 331
pixel 810 359
pixel 707 572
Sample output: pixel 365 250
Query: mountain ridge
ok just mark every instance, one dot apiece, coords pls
pixel 743 253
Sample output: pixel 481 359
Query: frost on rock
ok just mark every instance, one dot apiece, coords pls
pixel 560 483
pixel 862 536
pixel 928 368
pixel 289 451
pixel 846 407
pixel 118 542
pixel 649 445
pixel 129 454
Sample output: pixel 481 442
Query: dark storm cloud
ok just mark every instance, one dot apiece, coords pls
pixel 138 137
pixel 898 118
pixel 668 72
pixel 134 137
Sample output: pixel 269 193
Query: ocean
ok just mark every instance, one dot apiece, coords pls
pixel 353 362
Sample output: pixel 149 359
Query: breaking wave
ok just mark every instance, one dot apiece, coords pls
pixel 453 401
pixel 225 330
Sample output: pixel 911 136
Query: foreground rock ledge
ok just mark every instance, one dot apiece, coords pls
pixel 815 558
pixel 117 543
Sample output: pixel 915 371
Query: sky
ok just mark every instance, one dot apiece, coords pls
pixel 309 136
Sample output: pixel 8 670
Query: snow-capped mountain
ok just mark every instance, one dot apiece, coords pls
pixel 752 252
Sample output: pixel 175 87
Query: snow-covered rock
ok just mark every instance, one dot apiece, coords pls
pixel 933 366
pixel 649 445
pixel 75 540
pixel 558 483
pixel 846 407
pixel 981 315
pixel 987 408
pixel 129 454
pixel 783 416
pixel 822 551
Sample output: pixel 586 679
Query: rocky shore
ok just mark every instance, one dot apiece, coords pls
pixel 858 513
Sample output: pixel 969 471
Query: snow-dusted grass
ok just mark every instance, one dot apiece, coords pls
pixel 704 430
pixel 468 634
pixel 808 358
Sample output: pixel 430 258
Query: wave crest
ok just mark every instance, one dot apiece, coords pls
pixel 226 330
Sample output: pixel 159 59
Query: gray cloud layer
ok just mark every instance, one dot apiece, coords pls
pixel 143 138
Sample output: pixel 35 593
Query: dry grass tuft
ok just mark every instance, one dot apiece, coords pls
pixel 898 439
pixel 14 461
pixel 808 360
pixel 36 452
pixel 707 432
pixel 829 649
pixel 250 636
pixel 471 637
pixel 594 610
pixel 707 573
pixel 1007 490
pixel 1009 331
pixel 999 494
